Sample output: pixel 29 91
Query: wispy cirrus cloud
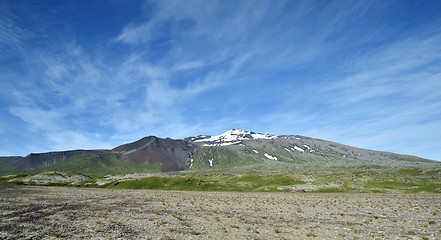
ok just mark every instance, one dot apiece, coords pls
pixel 384 95
pixel 355 72
pixel 185 66
pixel 11 34
pixel 82 96
pixel 136 34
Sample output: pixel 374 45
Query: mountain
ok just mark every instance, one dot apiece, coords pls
pixel 233 149
pixel 36 161
pixel 240 147
pixel 172 155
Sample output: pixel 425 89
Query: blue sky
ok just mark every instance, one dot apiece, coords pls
pixel 97 74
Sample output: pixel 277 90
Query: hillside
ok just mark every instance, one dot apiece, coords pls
pixel 235 160
pixel 232 149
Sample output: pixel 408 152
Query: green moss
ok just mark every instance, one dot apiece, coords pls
pixel 386 184
pixel 211 182
pixel 12 179
pixel 410 187
pixel 425 187
pixel 410 171
pixel 330 190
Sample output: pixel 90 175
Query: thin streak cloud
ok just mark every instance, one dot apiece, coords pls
pixel 362 73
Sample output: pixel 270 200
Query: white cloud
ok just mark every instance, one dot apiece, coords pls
pixel 136 34
pixel 12 36
pixel 38 119
pixel 187 66
pixel 65 140
pixel 207 66
pixel 53 126
pixel 383 99
pixel 140 33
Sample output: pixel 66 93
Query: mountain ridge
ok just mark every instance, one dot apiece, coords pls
pixel 233 148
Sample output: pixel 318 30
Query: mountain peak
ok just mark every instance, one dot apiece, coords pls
pixel 231 137
pixel 237 131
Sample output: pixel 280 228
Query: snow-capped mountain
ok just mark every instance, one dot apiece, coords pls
pixel 230 137
pixel 231 149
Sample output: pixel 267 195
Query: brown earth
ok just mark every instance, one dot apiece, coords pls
pixel 79 213
pixel 172 154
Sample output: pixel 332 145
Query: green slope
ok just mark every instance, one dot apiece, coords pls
pixel 100 165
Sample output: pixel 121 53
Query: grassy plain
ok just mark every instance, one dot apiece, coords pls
pixel 368 179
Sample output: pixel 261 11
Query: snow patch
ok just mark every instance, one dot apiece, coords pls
pixel 306 146
pixel 287 150
pixel 299 149
pixel 230 137
pixel 270 157
pixel 221 144
pixel 255 151
pixel 211 162
pixel 191 163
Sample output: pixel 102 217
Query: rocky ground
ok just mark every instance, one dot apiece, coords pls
pixel 80 213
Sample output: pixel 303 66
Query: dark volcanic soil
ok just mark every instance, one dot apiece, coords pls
pixel 78 213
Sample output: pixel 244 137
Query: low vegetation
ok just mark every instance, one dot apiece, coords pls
pixel 281 164
pixel 361 179
pixel 212 182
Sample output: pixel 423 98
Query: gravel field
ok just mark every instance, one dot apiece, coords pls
pixel 81 213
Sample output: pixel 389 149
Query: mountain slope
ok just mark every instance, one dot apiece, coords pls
pixel 35 161
pixel 233 149
pixel 172 155
pixel 248 147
